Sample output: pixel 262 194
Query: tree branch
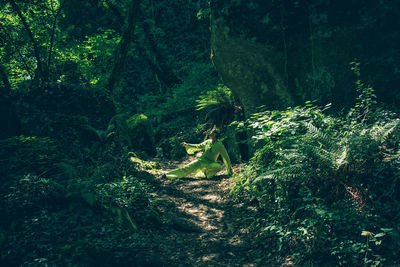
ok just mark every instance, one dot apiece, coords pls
pixel 53 30
pixel 116 12
pixel 36 48
pixel 23 60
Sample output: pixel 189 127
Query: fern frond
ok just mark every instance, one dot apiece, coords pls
pixel 319 135
pixel 380 133
pixel 341 158
pixel 292 171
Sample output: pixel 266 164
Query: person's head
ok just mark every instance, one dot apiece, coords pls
pixel 214 135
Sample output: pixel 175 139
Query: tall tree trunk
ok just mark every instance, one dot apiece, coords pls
pixel 162 72
pixel 123 48
pixel 164 76
pixel 4 79
pixel 8 118
pixel 41 72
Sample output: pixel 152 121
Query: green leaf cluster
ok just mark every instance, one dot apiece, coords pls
pixel 323 179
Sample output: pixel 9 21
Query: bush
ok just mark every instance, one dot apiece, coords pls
pixel 20 155
pixel 323 180
pixel 69 113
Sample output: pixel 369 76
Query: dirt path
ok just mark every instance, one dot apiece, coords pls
pixel 200 224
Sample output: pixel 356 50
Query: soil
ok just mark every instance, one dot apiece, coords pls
pixel 200 225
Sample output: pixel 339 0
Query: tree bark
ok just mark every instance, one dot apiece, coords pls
pixel 36 49
pixel 8 116
pixel 164 74
pixel 4 79
pixel 123 48
pixel 164 77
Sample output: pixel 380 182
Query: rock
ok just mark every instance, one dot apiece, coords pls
pixel 283 53
pixel 141 133
pixel 135 132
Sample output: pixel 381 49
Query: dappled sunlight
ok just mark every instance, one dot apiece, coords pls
pixel 199 133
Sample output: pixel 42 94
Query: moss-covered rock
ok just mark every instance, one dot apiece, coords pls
pixel 118 130
pixel 141 133
pixel 135 132
pixel 282 53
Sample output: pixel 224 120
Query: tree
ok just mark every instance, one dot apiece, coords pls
pixel 123 48
pixel 41 71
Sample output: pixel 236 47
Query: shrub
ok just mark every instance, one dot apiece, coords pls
pixel 323 180
pixel 20 155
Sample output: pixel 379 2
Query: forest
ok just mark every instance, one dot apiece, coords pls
pixel 105 107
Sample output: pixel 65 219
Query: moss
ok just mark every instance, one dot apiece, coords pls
pixel 118 129
pixel 135 132
pixel 281 54
pixel 141 133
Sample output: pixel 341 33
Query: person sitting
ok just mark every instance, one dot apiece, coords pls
pixel 206 165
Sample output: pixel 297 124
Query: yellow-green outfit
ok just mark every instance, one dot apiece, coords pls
pixel 207 164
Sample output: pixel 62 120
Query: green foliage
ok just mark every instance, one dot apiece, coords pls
pixel 68 234
pixel 142 133
pixel 21 155
pixel 32 193
pixel 321 180
pixel 70 196
pixel 93 219
pixel 175 111
pixel 128 193
pixel 172 148
pixel 198 78
pixel 67 112
pixel 219 106
pixel 366 100
pixel 89 59
pixel 133 132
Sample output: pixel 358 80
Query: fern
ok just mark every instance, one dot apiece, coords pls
pixel 381 133
pixel 219 106
pixel 220 96
pixel 291 172
pixel 320 136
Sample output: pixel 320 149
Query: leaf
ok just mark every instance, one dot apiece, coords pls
pixel 367 233
pixel 380 235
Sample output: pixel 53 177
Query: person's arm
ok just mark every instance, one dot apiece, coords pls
pixel 192 148
pixel 226 159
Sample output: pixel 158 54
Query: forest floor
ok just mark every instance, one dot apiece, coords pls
pixel 200 224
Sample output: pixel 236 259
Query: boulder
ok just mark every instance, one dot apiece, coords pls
pixel 135 132
pixel 283 53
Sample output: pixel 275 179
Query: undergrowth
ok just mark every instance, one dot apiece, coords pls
pixel 327 186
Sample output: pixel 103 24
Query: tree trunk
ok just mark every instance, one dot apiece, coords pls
pixel 8 117
pixel 4 79
pixel 160 68
pixel 41 72
pixel 164 76
pixel 123 48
